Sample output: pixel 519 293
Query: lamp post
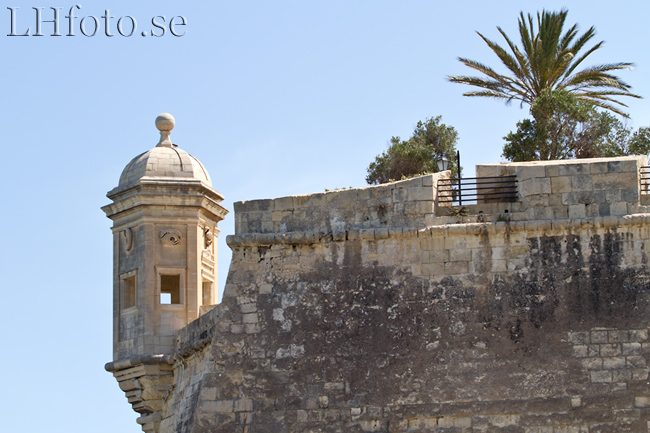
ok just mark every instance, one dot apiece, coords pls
pixel 443 163
pixel 460 195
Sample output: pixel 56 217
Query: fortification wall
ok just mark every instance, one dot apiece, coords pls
pixel 574 188
pixel 407 203
pixel 395 321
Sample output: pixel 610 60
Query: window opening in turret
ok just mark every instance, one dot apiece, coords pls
pixel 128 292
pixel 207 292
pixel 170 289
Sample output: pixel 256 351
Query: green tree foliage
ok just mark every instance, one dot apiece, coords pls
pixel 624 141
pixel 431 140
pixel 565 127
pixel 547 60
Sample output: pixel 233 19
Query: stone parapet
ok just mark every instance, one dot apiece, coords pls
pixel 548 190
pixel 191 339
pixel 574 188
pixel 403 203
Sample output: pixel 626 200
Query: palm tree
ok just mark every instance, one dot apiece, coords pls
pixel 547 61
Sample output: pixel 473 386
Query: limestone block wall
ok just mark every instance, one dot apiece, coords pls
pixel 350 336
pixel 403 203
pixel 574 188
pixel 535 325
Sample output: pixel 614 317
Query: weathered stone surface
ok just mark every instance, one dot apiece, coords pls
pixel 357 311
pixel 511 343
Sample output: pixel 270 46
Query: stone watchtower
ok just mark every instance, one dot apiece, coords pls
pixel 165 214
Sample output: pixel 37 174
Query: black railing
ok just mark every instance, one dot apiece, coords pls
pixel 644 175
pixel 473 190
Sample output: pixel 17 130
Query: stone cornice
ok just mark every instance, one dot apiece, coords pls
pixel 180 193
pixel 164 182
pixel 122 364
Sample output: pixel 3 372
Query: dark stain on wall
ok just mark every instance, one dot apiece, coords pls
pixel 345 334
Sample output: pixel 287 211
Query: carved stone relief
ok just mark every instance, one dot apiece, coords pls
pixel 170 237
pixel 208 255
pixel 127 239
pixel 208 237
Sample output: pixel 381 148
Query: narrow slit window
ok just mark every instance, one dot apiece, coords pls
pixel 207 292
pixel 170 289
pixel 128 293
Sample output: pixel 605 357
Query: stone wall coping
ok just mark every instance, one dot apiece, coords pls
pixel 563 161
pixel 301 200
pixel 313 237
pixel 122 364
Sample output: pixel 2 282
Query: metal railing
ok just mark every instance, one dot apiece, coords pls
pixel 644 178
pixel 473 190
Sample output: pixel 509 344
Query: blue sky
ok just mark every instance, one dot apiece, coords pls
pixel 275 98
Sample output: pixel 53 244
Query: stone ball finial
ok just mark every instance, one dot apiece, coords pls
pixel 165 122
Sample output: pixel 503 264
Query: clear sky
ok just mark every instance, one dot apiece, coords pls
pixel 274 97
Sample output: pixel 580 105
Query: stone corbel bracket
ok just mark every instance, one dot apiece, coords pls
pixel 147 382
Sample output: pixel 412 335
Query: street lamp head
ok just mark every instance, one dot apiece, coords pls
pixel 443 163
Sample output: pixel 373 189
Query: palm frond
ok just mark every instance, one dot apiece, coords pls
pixel 609 107
pixel 509 61
pixel 547 58
pixel 486 93
pixel 584 39
pixel 576 62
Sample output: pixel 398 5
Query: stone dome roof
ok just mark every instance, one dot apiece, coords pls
pixel 165 161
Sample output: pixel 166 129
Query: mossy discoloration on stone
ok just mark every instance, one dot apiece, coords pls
pixel 349 333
